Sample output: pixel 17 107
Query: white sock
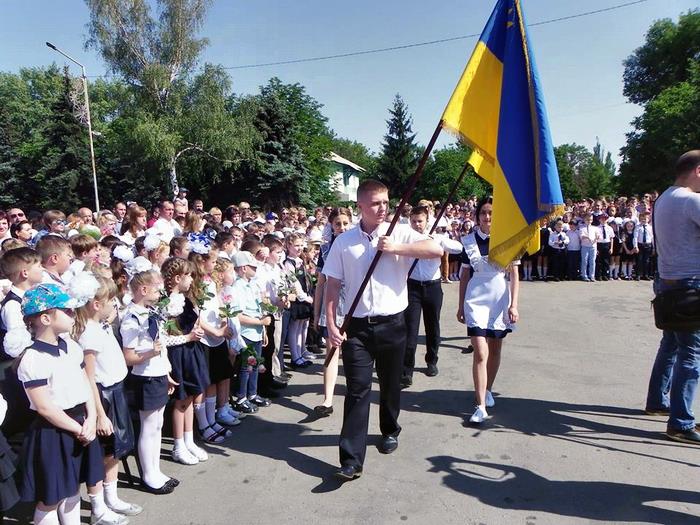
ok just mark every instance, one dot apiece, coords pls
pixel 179 444
pixel 193 448
pixel 97 502
pixel 69 510
pixel 45 518
pixel 111 497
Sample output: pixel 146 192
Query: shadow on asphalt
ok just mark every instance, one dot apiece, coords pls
pixel 576 423
pixel 515 488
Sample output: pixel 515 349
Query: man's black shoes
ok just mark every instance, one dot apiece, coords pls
pixel 432 370
pixel 348 472
pixel 388 444
pixel 406 381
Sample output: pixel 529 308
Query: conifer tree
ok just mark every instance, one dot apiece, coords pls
pixel 398 159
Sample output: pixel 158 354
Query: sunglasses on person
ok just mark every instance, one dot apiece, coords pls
pixel 59 222
pixel 17 215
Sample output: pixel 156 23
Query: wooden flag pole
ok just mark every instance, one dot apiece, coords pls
pixel 397 213
pixel 442 208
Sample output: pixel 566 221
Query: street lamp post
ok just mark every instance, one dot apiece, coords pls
pixel 89 121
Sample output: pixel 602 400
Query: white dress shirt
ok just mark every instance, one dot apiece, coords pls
pixel 167 229
pixel 210 314
pixel 557 238
pixel 606 234
pixel 60 368
pixel 349 259
pixel 574 240
pixel 134 332
pixel 429 269
pixel 110 367
pixel 644 234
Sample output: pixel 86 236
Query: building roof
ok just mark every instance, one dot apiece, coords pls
pixel 334 157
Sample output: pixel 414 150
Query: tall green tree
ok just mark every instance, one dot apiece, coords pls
pixel 585 173
pixel 310 132
pixel 441 173
pixel 65 173
pixel 276 174
pixel 10 177
pixel 571 162
pixel 399 157
pixel 156 54
pixel 664 76
pixel 152 53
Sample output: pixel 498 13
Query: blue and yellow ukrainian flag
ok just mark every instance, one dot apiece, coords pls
pixel 498 109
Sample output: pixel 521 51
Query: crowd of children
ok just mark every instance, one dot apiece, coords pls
pixel 109 319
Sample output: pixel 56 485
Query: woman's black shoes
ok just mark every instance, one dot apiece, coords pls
pixel 323 411
pixel 167 488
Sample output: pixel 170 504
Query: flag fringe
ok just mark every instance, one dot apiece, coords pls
pixel 551 210
pixel 522 237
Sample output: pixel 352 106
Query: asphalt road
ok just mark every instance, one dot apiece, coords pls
pixel 567 441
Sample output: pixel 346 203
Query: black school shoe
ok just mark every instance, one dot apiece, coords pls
pixel 245 407
pixel 348 472
pixel 167 488
pixel 388 444
pixel 432 370
pixel 260 401
pixel 690 436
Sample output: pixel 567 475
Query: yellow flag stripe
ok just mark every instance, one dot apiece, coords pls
pixel 477 93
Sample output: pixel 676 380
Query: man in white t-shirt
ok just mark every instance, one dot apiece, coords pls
pixel 377 330
pixel 166 227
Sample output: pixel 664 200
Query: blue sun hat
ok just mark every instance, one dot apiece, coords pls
pixel 46 297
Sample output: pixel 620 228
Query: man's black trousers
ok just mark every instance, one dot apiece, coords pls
pixel 382 341
pixel 425 297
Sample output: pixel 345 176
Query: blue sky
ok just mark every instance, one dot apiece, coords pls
pixel 580 60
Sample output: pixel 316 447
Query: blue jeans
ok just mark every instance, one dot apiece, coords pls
pixel 587 262
pixel 674 377
pixel 249 380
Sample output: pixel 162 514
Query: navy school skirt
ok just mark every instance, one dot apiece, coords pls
pixel 54 463
pixel 122 440
pixel 190 369
pixel 150 393
pixel 220 367
pixel 8 489
pixel 487 332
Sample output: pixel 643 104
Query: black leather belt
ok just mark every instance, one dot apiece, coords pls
pixel 424 283
pixel 375 319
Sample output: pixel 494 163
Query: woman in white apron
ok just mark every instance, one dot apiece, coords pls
pixel 488 305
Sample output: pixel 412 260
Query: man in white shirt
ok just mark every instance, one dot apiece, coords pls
pixel 424 295
pixel 377 330
pixel 166 227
